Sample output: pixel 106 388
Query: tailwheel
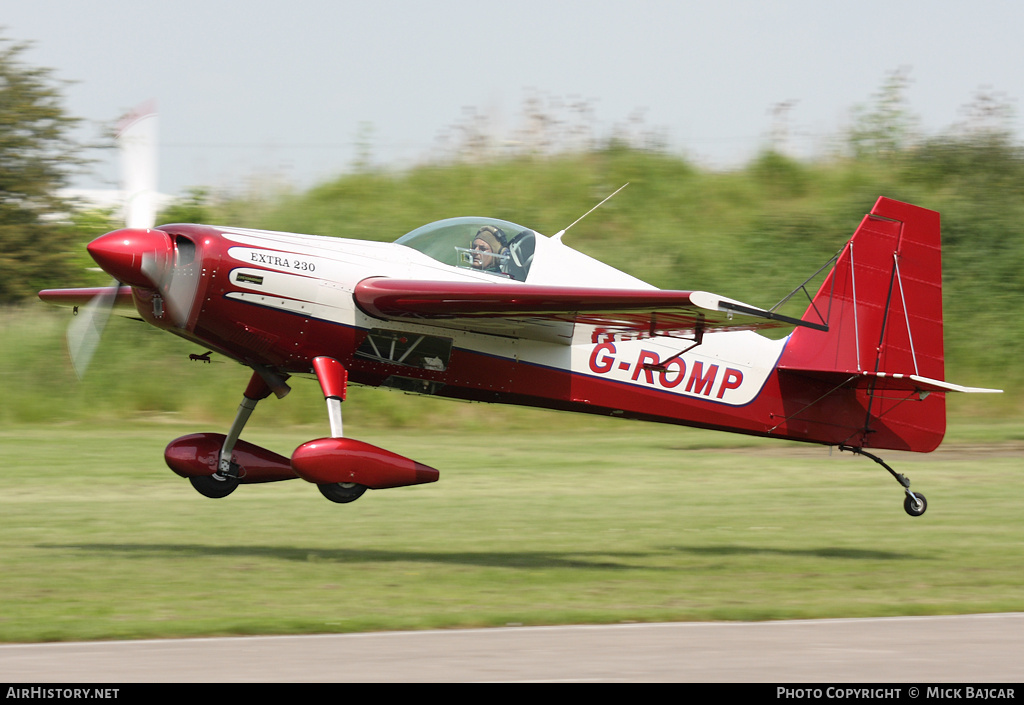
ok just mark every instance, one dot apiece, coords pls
pixel 214 486
pixel 342 492
pixel 915 504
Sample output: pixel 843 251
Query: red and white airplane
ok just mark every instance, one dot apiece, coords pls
pixel 487 310
pixel 525 319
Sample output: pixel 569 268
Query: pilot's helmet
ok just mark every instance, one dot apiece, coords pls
pixel 493 236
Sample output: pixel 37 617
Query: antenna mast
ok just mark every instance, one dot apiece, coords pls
pixel 558 236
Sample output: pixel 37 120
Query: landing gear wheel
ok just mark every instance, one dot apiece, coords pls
pixel 915 503
pixel 342 492
pixel 212 487
pixel 915 509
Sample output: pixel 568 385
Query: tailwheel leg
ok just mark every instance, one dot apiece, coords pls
pixel 915 504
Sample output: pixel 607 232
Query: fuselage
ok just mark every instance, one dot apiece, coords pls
pixel 278 300
pixel 281 299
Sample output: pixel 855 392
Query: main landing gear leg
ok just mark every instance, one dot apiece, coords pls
pixel 333 378
pixel 915 504
pixel 225 479
pixel 254 393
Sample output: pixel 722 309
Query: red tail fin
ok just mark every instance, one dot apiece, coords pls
pixel 883 350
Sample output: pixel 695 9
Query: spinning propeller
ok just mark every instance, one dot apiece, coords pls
pixel 136 256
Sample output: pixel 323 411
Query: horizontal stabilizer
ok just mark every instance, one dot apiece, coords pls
pixel 937 385
pixel 882 381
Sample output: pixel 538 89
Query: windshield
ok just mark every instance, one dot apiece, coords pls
pixel 488 245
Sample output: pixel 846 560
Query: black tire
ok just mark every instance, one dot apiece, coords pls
pixel 914 509
pixel 209 486
pixel 342 492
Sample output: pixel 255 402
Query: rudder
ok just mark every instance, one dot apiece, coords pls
pixel 882 302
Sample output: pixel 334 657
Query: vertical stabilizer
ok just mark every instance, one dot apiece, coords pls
pixel 883 299
pixel 883 304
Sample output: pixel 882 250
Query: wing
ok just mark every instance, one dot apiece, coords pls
pixel 124 305
pixel 550 312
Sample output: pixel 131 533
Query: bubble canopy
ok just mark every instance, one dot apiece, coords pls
pixel 488 245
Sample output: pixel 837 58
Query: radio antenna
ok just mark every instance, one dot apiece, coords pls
pixel 557 237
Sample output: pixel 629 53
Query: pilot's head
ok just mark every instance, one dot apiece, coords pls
pixel 487 242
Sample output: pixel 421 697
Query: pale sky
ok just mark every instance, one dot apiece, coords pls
pixel 286 90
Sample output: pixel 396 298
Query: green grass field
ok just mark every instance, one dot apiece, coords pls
pixel 593 520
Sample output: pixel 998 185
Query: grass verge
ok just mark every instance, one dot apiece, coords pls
pixel 607 522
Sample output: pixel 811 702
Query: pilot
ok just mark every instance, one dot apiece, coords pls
pixel 488 242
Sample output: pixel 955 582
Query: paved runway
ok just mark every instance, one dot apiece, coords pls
pixel 968 649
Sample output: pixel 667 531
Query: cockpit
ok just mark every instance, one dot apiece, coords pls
pixel 486 245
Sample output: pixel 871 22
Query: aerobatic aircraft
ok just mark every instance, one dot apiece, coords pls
pixel 488 310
